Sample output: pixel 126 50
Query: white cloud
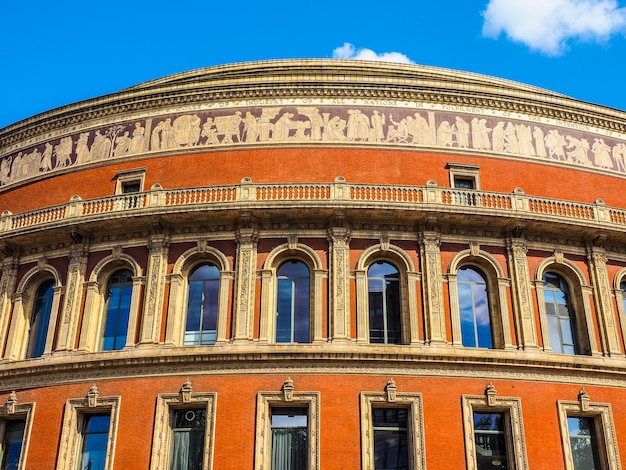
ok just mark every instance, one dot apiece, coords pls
pixel 547 25
pixel 348 51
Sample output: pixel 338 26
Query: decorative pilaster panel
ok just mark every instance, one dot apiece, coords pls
pixel 268 307
pixel 18 331
pixel 339 296
pixel 7 287
pixel 91 317
pixel 319 276
pixel 591 329
pixel 432 288
pixel 362 315
pixel 245 280
pixel 503 285
pixel 54 313
pixel 525 327
pixel 72 299
pixel 155 291
pixel 175 311
pixel 455 310
pixel 412 279
pixel 602 296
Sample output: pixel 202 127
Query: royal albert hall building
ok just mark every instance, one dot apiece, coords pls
pixel 314 265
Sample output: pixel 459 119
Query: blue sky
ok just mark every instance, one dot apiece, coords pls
pixel 57 53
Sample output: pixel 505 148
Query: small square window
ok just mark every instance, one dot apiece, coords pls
pixel 464 175
pixel 130 181
pixel 131 187
pixel 461 182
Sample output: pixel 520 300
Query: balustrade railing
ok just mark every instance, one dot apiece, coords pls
pixel 340 192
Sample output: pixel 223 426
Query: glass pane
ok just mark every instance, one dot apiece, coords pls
pixel 391 446
pixel 284 310
pixel 555 335
pixel 376 310
pixel 394 323
pixel 188 439
pixel 490 438
pixel 202 305
pixel 119 293
pixel 583 443
pixel 40 319
pixel 385 310
pixel 95 440
pixel 12 444
pixel 560 314
pixel 290 447
pixel 293 299
pixel 474 308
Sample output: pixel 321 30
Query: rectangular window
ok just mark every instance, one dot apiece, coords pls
pixel 12 443
pixel 392 430
pixel 290 442
pixel 490 437
pixel 187 444
pixel 494 431
pixel 583 442
pixel 287 430
pixel 95 436
pixel 184 428
pixel 391 442
pixel 464 183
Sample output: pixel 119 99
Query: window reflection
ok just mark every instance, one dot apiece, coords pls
pixel 391 445
pixel 385 314
pixel 40 319
pixel 559 313
pixel 474 308
pixel 583 441
pixel 202 299
pixel 117 308
pixel 490 438
pixel 95 440
pixel 293 303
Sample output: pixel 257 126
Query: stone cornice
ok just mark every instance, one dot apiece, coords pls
pixel 322 79
pixel 230 359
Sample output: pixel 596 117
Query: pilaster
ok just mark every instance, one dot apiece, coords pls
pixel 7 287
pixel 609 336
pixel 339 298
pixel 155 290
pixel 521 293
pixel 72 299
pixel 432 288
pixel 245 283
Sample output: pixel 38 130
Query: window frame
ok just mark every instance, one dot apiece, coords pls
pixel 490 308
pixel 399 313
pixel 602 415
pixel 105 310
pixel 413 402
pixel 162 437
pixel 14 411
pixel 286 398
pixel 124 178
pixel 511 407
pixel 293 301
pixel 71 432
pixel 218 281
pixel 34 331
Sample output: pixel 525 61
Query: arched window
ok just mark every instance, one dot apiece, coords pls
pixel 117 310
pixel 40 319
pixel 293 303
pixel 474 308
pixel 385 313
pixel 202 297
pixel 559 312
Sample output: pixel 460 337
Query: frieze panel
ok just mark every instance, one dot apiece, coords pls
pixel 358 122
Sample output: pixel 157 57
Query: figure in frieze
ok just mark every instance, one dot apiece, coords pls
pixel 555 143
pixel 540 144
pixel 498 137
pixel 155 137
pixel 16 167
pixel 334 128
pixel 462 132
pixel 63 152
pixel 122 144
pixel 136 141
pixel 377 134
pixel 5 170
pixel 445 134
pixel 358 125
pixel 316 122
pixel 282 127
pixel 229 127
pixel 186 130
pixel 602 153
pixel 45 164
pixel 480 134
pixel 210 132
pixel 579 152
pixel 619 156
pixel 265 123
pixel 168 136
pixel 397 131
pixel 101 147
pixel 422 136
pixel 511 144
pixel 82 148
pixel 525 139
pixel 30 163
pixel 111 134
pixel 250 127
pixel 301 127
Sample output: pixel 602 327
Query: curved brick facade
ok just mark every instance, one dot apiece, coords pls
pixel 342 208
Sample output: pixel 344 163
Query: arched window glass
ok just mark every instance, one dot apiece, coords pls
pixel 385 314
pixel 293 303
pixel 559 312
pixel 201 323
pixel 474 308
pixel 622 286
pixel 117 310
pixel 40 319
